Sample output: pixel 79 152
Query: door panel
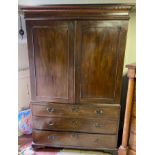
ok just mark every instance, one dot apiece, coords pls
pixel 52 59
pixel 98 49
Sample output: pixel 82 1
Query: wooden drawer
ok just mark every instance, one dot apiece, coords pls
pixel 110 112
pixel 74 140
pixel 76 124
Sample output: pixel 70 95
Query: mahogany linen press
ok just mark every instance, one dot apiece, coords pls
pixel 76 55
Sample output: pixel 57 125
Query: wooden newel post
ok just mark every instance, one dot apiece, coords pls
pixel 129 100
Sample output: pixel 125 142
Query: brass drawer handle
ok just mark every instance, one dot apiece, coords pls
pixel 75 123
pixel 75 109
pixel 99 112
pixel 49 109
pixel 51 137
pixel 75 135
pixel 97 125
pixel 51 124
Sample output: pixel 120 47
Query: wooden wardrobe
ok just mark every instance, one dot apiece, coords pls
pixel 76 55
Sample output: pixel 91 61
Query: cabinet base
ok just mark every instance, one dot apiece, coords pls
pixel 39 146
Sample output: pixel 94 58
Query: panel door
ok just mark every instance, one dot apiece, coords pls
pixel 51 54
pixel 100 47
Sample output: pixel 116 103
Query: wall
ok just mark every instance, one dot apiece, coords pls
pixel 130 52
pixel 23 67
pixel 46 2
pixel 23 75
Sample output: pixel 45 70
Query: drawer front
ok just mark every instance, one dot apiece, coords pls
pixel 76 124
pixel 70 139
pixel 77 111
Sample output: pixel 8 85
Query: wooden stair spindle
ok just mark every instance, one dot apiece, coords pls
pixel 123 150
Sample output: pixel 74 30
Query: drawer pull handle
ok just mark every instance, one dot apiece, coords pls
pixel 75 109
pixel 75 135
pixel 51 137
pixel 51 124
pixel 97 140
pixel 97 125
pixel 49 109
pixel 75 123
pixel 99 112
